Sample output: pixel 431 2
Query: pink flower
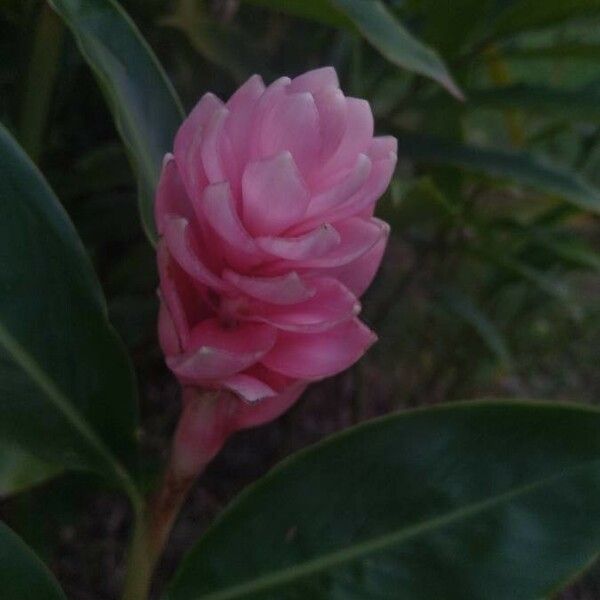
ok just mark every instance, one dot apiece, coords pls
pixel 265 212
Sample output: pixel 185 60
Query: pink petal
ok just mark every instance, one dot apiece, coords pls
pixel 358 274
pixel 167 332
pixel 171 196
pixel 196 121
pixel 268 409
pixel 357 136
pixel 292 124
pixel 332 304
pixel 249 388
pixel 358 236
pixel 317 355
pixel 215 145
pixel 183 247
pixel 331 105
pixel 274 195
pixel 350 182
pixel 184 305
pixel 313 244
pixel 219 209
pixel 242 107
pixel 314 80
pixel 284 289
pixel 382 147
pixel 218 352
pixel 367 196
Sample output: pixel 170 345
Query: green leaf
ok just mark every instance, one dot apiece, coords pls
pixel 560 51
pixel 463 307
pixel 489 500
pixel 144 104
pixel 373 20
pixel 379 26
pixel 573 105
pixel 317 10
pixel 22 573
pixel 67 387
pixel 20 470
pixel 527 15
pixel 520 167
pixel 220 44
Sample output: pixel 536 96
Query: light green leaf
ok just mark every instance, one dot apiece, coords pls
pixel 489 500
pixel 67 387
pixel 20 470
pixel 22 573
pixel 144 104
pixel 520 167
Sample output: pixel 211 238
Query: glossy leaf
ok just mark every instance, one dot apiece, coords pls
pixel 379 26
pixel 67 388
pixel 144 104
pixel 489 500
pixel 20 470
pixel 520 167
pixel 22 573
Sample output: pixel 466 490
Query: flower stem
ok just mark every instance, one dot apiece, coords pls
pixel 200 434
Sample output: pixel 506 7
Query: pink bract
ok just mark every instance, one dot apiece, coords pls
pixel 267 240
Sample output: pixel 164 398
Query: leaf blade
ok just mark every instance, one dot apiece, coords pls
pixel 53 316
pixel 519 167
pixel 143 102
pixel 387 34
pixel 22 573
pixel 419 515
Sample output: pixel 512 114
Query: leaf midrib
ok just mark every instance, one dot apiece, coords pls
pixel 380 543
pixel 62 405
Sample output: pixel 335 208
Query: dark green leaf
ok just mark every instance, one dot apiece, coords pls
pixel 486 500
pixel 379 26
pixel 22 573
pixel 573 105
pixel 318 10
pixel 67 388
pixel 560 51
pixel 525 15
pixel 464 308
pixel 519 167
pixel 145 106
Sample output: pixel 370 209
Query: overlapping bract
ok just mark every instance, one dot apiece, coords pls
pixel 265 212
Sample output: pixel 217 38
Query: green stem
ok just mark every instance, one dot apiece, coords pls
pixel 39 83
pixel 139 565
pixel 152 528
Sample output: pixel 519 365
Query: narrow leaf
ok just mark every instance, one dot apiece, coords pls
pixel 464 308
pixel 144 104
pixel 519 167
pixel 379 26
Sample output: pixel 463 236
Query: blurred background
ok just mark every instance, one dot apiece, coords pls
pixel 491 283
